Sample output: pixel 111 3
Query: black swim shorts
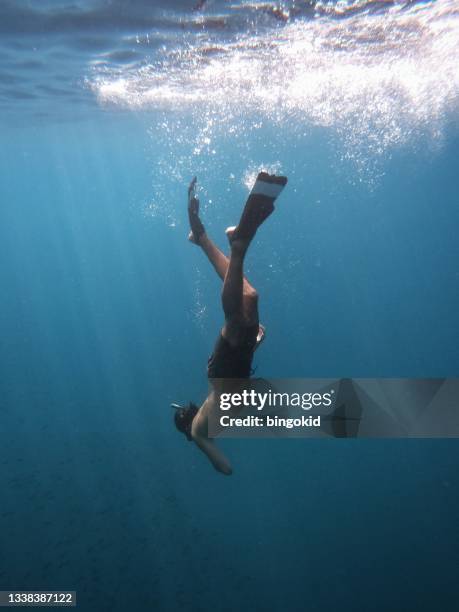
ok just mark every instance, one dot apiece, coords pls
pixel 233 361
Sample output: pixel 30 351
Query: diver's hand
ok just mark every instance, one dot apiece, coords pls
pixel 214 454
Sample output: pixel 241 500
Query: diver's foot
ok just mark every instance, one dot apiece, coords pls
pixel 237 244
pixel 259 205
pixel 229 232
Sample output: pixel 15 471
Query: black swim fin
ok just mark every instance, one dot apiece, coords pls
pixel 193 212
pixel 259 205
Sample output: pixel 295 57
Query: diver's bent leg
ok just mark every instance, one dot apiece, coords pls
pixel 216 257
pixel 220 261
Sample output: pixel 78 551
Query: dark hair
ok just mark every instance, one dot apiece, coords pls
pixel 183 419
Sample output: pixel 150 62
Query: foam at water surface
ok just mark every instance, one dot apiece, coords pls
pixel 382 76
pixel 378 74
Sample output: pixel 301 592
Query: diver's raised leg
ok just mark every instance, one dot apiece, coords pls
pixel 239 298
pixel 233 285
pixel 241 308
pixel 240 302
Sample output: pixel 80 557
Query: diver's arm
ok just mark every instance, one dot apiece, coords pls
pixel 208 446
pixel 214 454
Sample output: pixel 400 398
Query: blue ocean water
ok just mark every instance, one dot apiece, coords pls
pixel 108 313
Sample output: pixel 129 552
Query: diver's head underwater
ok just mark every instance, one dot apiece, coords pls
pixel 183 418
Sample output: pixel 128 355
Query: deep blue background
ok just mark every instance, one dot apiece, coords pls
pixel 100 332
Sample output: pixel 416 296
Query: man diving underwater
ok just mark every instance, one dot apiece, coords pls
pixel 242 333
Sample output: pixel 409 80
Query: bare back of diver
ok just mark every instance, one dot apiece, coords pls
pixel 242 332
